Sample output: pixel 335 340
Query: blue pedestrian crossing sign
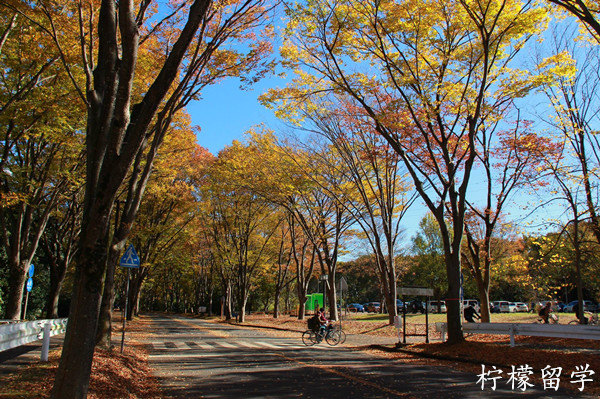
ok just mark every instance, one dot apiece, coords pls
pixel 130 258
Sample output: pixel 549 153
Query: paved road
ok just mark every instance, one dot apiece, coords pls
pixel 199 359
pixel 12 360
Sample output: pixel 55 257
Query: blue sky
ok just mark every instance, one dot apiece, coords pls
pixel 225 112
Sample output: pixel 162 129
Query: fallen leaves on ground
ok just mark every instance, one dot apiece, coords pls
pixel 114 375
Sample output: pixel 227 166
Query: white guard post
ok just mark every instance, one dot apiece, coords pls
pixel 46 343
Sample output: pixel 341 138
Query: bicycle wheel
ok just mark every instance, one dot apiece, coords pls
pixel 333 337
pixel 574 322
pixel 342 336
pixel 309 337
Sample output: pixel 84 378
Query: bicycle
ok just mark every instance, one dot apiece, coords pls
pixel 341 333
pixel 331 335
pixel 592 319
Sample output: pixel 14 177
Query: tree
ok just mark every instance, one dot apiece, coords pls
pixel 576 104
pixel 40 144
pixel 59 243
pixel 303 255
pixel 323 219
pixel 586 12
pixel 241 223
pixel 168 207
pixel 374 194
pixel 121 124
pixel 511 161
pixel 428 248
pixel 282 269
pixel 362 277
pixel 427 76
pixel 294 178
pixel 215 54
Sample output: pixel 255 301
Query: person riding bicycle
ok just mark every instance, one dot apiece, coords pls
pixel 470 312
pixel 545 312
pixel 323 320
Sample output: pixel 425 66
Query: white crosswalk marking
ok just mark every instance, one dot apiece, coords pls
pixel 201 345
pixel 205 345
pixel 248 344
pixel 268 345
pixel 159 345
pixel 226 345
pixel 195 345
pixel 290 345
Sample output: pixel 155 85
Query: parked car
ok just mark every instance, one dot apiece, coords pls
pixel 561 306
pixel 588 306
pixel 373 307
pixel 355 307
pixel 474 302
pixel 495 306
pixel 436 306
pixel 522 307
pixel 399 306
pixel 508 307
pixel 504 307
pixel 415 306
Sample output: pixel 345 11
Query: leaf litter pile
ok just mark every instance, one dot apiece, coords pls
pixel 128 375
pixel 114 375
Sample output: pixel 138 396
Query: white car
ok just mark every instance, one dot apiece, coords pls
pixel 508 307
pixel 504 307
pixel 436 306
pixel 522 307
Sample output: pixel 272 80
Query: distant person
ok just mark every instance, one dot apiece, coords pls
pixel 544 312
pixel 471 313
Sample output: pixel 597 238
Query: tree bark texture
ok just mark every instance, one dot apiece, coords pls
pixel 115 133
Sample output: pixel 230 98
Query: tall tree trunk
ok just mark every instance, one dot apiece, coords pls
pixel 57 277
pixel 104 334
pixel 135 288
pixel 276 303
pixel 22 244
pixel 453 298
pixel 16 283
pixel 79 343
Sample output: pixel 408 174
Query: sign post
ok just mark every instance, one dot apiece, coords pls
pixel 28 287
pixel 129 260
pixel 416 291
